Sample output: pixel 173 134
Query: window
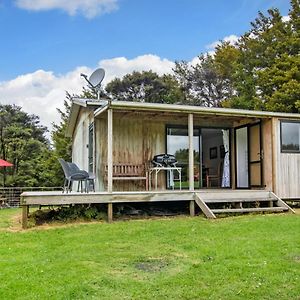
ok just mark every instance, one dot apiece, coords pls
pixel 290 137
pixel 91 147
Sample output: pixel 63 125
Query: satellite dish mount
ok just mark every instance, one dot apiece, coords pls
pixel 95 80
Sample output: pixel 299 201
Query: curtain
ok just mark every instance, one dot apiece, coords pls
pixel 226 164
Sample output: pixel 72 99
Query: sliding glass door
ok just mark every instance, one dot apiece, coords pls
pixel 211 155
pixel 242 160
pixel 178 145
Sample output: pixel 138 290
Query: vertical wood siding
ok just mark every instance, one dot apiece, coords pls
pixel 287 171
pixel 134 141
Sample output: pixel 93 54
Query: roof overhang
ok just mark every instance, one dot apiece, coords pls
pixel 77 103
pixel 74 111
pixel 124 105
pixel 100 106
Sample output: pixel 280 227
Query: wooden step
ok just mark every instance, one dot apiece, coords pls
pixel 226 200
pixel 245 210
pixel 232 195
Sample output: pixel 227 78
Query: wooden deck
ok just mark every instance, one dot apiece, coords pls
pixel 203 198
pixel 59 198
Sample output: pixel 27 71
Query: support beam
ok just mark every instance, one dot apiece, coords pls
pixel 94 148
pixel 191 151
pixel 109 150
pixel 25 212
pixel 109 212
pixel 192 208
pixel 274 155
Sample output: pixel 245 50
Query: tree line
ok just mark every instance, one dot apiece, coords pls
pixel 23 143
pixel 261 71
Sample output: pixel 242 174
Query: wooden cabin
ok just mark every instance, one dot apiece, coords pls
pixel 215 148
pixel 228 160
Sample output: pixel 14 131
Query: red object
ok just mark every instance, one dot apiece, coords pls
pixel 4 163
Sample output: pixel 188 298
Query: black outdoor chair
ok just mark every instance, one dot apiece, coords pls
pixel 90 179
pixel 71 175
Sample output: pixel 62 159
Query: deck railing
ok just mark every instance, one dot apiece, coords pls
pixel 10 196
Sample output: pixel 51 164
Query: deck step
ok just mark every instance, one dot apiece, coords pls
pixel 255 199
pixel 205 209
pixel 234 194
pixel 245 210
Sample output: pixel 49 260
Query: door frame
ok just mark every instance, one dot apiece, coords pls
pixel 260 161
pixel 230 153
pixel 248 126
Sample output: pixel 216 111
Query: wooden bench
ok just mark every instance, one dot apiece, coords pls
pixel 124 172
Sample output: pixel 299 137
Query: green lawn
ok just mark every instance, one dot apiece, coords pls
pixel 6 216
pixel 247 257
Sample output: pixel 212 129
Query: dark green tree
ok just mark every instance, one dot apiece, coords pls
pixel 61 146
pixel 268 75
pixel 261 71
pixel 209 82
pixel 146 86
pixel 23 143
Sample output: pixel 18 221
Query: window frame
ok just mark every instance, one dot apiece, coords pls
pixel 281 134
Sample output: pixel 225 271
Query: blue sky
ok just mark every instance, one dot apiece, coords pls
pixel 44 43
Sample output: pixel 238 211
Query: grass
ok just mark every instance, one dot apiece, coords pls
pixel 247 257
pixel 6 216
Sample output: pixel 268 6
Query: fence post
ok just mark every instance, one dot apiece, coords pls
pixel 25 212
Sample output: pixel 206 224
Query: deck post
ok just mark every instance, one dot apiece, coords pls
pixel 274 156
pixel 109 212
pixel 109 150
pixel 191 152
pixel 192 208
pixel 25 212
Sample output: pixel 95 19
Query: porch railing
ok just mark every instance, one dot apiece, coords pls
pixel 10 196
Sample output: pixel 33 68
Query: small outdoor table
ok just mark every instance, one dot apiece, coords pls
pixel 156 170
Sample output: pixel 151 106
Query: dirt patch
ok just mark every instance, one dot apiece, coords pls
pixel 15 223
pixel 296 258
pixel 151 265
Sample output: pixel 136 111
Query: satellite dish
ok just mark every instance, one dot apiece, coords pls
pixel 96 78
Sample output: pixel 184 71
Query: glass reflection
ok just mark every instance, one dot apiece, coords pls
pixel 178 145
pixel 290 136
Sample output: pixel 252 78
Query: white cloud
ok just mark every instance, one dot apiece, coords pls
pixel 286 18
pixel 194 61
pixel 41 92
pixel 89 8
pixel 232 39
pixel 119 66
